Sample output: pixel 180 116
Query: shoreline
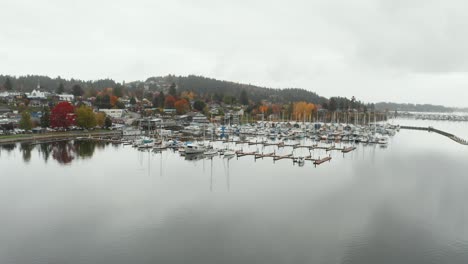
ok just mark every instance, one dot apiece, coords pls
pixel 12 139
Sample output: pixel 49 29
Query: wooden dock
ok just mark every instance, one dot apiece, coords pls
pixel 268 155
pixel 348 149
pixel 242 154
pixel 288 156
pixel 320 161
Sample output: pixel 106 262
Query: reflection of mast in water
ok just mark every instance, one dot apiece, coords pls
pixel 160 166
pixel 149 154
pixel 228 178
pixel 211 175
pixel 140 157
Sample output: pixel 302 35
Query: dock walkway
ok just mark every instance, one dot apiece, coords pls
pixel 440 132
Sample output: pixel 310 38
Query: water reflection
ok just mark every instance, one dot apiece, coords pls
pixel 8 147
pixel 45 150
pixel 403 204
pixel 26 149
pixel 85 149
pixel 63 152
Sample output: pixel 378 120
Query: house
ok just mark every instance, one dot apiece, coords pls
pixel 4 110
pixel 66 97
pixel 113 113
pixel 199 118
pixel 169 111
pixel 36 94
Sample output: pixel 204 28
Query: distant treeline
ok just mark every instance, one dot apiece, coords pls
pixel 30 82
pixel 413 107
pixel 211 90
pixel 204 87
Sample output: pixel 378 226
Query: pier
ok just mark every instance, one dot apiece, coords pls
pixel 440 132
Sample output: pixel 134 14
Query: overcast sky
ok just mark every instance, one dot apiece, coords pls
pixel 377 50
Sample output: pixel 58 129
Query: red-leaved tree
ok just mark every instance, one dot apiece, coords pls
pixel 62 115
pixel 182 106
pixel 169 101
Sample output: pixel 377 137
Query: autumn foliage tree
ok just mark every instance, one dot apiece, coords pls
pixel 188 95
pixel 25 121
pixel 182 106
pixel 85 117
pixel 169 101
pixel 100 119
pixel 303 110
pixel 62 115
pixel 263 109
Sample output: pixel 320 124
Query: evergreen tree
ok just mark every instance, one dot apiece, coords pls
pixel 199 105
pixel 108 122
pixel 155 101
pixel 8 85
pixel 77 90
pixel 118 90
pixel 244 99
pixel 60 89
pixel 332 105
pixel 161 98
pixel 45 118
pixel 132 101
pixel 172 89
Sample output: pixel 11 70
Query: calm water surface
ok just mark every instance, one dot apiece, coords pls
pixel 87 203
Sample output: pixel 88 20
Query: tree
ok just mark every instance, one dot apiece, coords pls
pixel 77 90
pixel 8 85
pixel 244 99
pixel 228 99
pixel 45 118
pixel 172 89
pixel 162 99
pixel 108 122
pixel 199 105
pixel 155 101
pixel 118 90
pixel 91 92
pixel 62 115
pixel 169 101
pixel 113 100
pixel 182 106
pixel 119 105
pixel 100 119
pixel 302 110
pixel 189 95
pixel 85 117
pixel 25 121
pixel 60 89
pixel 263 109
pixel 132 101
pixel 332 104
pixel 103 101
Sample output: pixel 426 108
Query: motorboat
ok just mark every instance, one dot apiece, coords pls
pixel 192 148
pixel 383 141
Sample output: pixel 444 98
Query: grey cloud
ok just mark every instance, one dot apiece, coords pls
pixel 371 49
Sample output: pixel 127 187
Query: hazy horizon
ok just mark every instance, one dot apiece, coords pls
pixel 377 51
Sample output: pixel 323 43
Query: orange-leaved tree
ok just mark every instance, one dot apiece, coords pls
pixel 182 106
